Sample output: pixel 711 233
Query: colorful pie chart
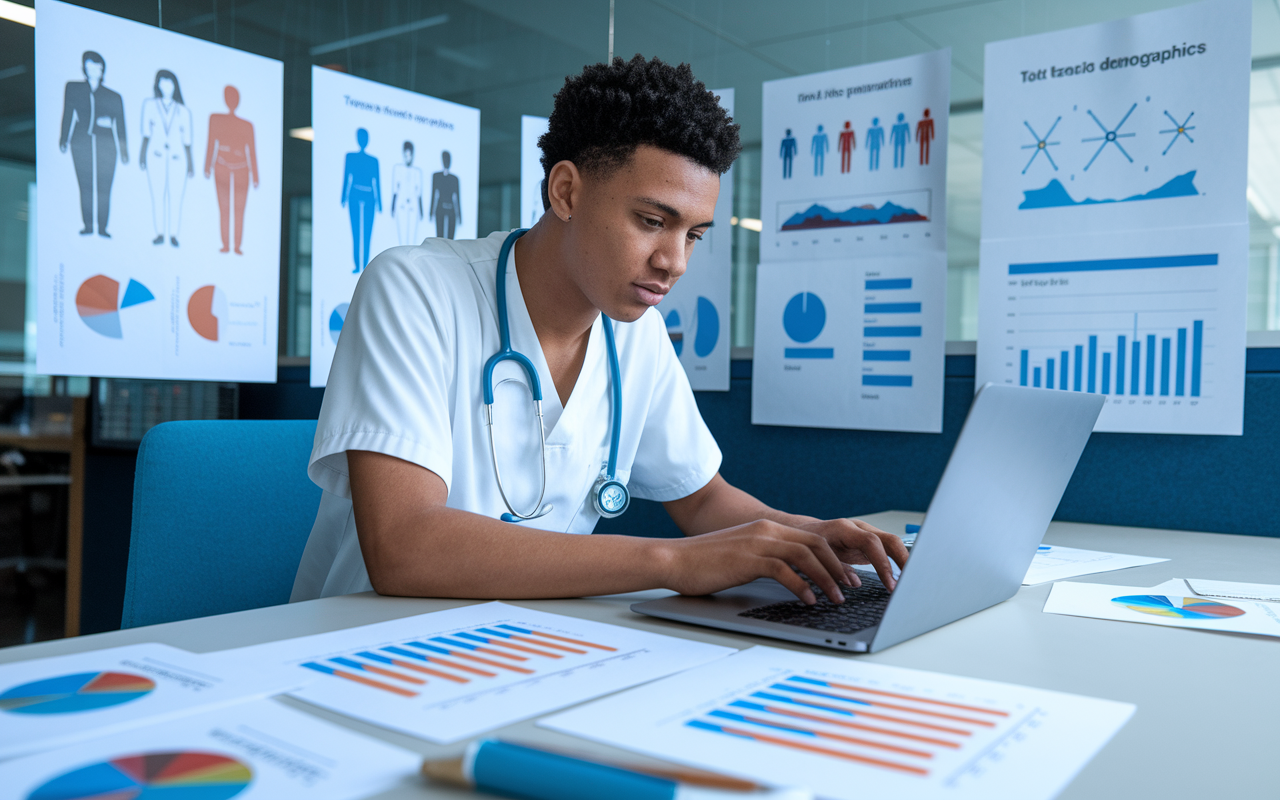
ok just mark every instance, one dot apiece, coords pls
pixel 98 303
pixel 182 775
pixel 207 311
pixel 1180 607
pixel 675 330
pixel 68 694
pixel 336 320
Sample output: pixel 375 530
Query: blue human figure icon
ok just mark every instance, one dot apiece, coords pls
pixel 788 153
pixel 819 149
pixel 900 135
pixel 362 197
pixel 875 140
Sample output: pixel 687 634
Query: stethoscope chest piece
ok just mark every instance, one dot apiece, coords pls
pixel 610 497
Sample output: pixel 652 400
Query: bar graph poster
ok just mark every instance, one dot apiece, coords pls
pixel 697 309
pixel 388 167
pixel 856 729
pixel 158 215
pixel 851 289
pixel 531 128
pixel 1114 228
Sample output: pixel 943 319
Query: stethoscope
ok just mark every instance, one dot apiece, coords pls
pixel 609 495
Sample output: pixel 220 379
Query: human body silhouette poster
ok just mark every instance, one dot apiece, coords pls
pixel 389 168
pixel 1114 255
pixel 851 288
pixel 158 213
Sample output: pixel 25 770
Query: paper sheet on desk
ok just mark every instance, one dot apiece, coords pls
pixel 1171 604
pixel 1233 590
pixel 1060 563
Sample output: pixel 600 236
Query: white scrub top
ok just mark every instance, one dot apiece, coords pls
pixel 406 381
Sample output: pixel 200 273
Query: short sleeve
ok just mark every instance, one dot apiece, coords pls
pixel 388 389
pixel 677 455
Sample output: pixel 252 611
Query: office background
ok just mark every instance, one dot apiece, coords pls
pixel 508 58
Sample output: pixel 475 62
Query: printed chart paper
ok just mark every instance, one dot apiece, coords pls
pixel 1234 590
pixel 1059 563
pixel 854 729
pixel 50 702
pixel 388 167
pixel 452 674
pixel 696 310
pixel 260 750
pixel 1171 604
pixel 158 216
pixel 851 289
pixel 1114 228
pixel 531 128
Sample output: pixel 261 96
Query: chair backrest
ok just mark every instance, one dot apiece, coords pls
pixel 221 513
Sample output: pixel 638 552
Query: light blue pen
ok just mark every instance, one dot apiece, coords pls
pixel 517 771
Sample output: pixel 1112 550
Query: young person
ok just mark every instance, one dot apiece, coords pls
pixel 406 450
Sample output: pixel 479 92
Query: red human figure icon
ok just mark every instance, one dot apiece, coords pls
pixel 235 164
pixel 848 143
pixel 924 135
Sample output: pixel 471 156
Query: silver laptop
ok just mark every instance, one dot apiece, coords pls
pixel 1008 471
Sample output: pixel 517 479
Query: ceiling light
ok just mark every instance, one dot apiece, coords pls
pixel 751 224
pixel 385 33
pixel 23 15
pixel 306 134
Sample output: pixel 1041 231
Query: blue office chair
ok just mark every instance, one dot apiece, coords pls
pixel 221 512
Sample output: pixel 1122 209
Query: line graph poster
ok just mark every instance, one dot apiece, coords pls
pixel 159 164
pixel 1114 228
pixel 389 167
pixel 697 309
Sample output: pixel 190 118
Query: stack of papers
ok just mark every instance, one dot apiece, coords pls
pixel 1170 604
pixel 1055 563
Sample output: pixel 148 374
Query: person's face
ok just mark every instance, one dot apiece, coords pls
pixel 166 89
pixel 634 230
pixel 93 73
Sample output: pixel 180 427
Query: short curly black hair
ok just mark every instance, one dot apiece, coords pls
pixel 602 115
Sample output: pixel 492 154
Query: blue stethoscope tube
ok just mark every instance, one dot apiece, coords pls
pixel 609 496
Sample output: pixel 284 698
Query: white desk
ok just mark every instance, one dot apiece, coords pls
pixel 1208 719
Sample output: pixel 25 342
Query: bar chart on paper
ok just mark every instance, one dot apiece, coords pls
pixel 891 331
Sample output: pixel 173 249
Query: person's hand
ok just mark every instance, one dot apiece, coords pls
pixel 712 562
pixel 858 542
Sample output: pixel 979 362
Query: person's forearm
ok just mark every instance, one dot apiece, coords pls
pixel 445 552
pixel 720 505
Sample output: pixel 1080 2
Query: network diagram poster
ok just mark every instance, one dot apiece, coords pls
pixel 158 217
pixel 389 168
pixel 1114 227
pixel 531 128
pixel 851 289
pixel 696 310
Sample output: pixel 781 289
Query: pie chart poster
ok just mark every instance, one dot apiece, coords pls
pixel 122 247
pixel 379 180
pixel 697 309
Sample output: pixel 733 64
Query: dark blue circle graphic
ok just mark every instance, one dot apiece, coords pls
pixel 804 317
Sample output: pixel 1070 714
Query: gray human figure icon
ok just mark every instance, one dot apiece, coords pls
pixel 406 197
pixel 818 148
pixel 93 126
pixel 446 200
pixel 900 135
pixel 875 140
pixel 165 154
pixel 788 153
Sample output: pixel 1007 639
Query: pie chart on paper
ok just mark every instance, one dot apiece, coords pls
pixel 207 311
pixel 69 694
pixel 181 775
pixel 98 303
pixel 708 328
pixel 675 330
pixel 1180 607
pixel 336 320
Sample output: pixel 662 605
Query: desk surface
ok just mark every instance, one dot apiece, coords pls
pixel 1218 690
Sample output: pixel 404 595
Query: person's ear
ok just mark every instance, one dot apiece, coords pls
pixel 564 189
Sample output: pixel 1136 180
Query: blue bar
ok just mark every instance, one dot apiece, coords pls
pixel 891 308
pixel 1151 364
pixel 1106 373
pixel 1137 352
pixel 1022 380
pixel 1035 381
pixel 1120 365
pixel 886 380
pixel 346 662
pixel 1157 262
pixel 422 645
pixel 886 355
pixel 1048 373
pixel 319 667
pixel 1180 383
pixel 473 637
pixel 1197 339
pixel 1093 364
pixel 775 725
pixel 1164 366
pixel 808 352
pixel 453 643
pixel 888 283
pixel 1079 365
pixel 1063 383
pixel 376 657
pixel 777 698
pixel 902 330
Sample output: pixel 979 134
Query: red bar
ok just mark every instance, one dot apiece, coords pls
pixel 574 641
pixel 875 762
pixel 429 671
pixel 549 644
pixel 351 676
pixel 390 674
pixel 871 728
pixel 917 699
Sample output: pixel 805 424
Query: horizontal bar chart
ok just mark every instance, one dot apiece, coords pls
pixel 892 331
pixel 886 380
pixel 886 355
pixel 882 284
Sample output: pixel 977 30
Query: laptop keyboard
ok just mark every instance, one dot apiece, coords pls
pixel 862 608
